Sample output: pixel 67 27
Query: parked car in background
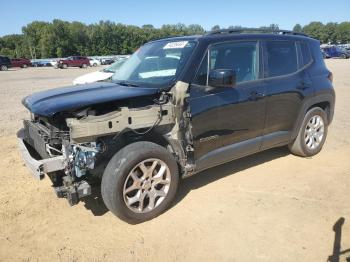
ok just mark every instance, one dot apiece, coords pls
pixel 74 61
pixel 5 63
pixel 53 62
pixel 325 54
pixel 107 61
pixel 94 62
pixel 335 51
pixel 101 75
pixel 20 62
pixel 40 63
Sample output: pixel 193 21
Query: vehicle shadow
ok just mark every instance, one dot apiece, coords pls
pixel 95 204
pixel 337 228
pixel 231 168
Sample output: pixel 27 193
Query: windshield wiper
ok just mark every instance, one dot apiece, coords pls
pixel 125 83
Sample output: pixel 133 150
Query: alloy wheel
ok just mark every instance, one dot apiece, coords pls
pixel 147 185
pixel 314 132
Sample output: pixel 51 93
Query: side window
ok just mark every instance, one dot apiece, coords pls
pixel 305 54
pixel 281 58
pixel 240 57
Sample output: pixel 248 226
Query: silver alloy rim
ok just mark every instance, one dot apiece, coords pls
pixel 147 185
pixel 314 132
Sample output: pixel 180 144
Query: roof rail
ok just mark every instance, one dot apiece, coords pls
pixel 254 30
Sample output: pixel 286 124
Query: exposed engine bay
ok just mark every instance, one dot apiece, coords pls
pixel 81 142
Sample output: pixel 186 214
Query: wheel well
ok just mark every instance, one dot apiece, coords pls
pixel 130 137
pixel 157 138
pixel 324 105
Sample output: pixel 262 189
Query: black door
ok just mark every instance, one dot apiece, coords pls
pixel 227 123
pixel 286 86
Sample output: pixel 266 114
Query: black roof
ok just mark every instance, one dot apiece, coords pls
pixel 244 33
pixel 254 30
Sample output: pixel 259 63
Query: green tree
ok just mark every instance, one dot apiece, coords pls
pixel 215 27
pixel 330 33
pixel 298 28
pixel 343 32
pixel 315 30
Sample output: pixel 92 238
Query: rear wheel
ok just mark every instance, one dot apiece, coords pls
pixel 312 133
pixel 64 66
pixel 140 182
pixel 4 68
pixel 343 56
pixel 24 66
pixel 84 66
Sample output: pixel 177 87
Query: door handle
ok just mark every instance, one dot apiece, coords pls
pixel 256 95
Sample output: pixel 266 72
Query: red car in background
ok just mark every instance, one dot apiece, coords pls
pixel 75 61
pixel 20 62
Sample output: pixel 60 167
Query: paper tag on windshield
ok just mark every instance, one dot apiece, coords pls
pixel 173 45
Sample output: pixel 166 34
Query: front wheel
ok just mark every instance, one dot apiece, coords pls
pixel 4 68
pixel 140 182
pixel 312 133
pixel 84 66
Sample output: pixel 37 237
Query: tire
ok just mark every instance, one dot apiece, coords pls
pixel 84 66
pixel 4 68
pixel 119 177
pixel 24 66
pixel 306 144
pixel 94 65
pixel 343 56
pixel 64 66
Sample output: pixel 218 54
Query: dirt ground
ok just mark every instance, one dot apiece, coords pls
pixel 271 206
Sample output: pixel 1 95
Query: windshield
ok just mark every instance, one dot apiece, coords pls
pixel 155 64
pixel 114 67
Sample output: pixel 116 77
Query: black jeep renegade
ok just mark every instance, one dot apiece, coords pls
pixel 176 107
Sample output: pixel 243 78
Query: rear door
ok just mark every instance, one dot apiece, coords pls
pixel 287 83
pixel 70 61
pixel 227 123
pixel 76 61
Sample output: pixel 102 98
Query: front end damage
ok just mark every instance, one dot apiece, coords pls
pixel 77 150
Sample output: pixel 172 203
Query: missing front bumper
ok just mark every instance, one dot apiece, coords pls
pixel 40 167
pixel 71 190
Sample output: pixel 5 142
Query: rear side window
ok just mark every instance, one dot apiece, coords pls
pixel 306 57
pixel 281 58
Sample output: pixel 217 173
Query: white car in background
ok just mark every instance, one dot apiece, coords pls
pixel 53 63
pixel 101 75
pixel 94 62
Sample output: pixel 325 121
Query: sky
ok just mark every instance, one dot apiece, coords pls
pixel 207 13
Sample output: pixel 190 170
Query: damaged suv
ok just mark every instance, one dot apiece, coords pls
pixel 176 107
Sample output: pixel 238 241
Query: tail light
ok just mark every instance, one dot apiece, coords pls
pixel 330 77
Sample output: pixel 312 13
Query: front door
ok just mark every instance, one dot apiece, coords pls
pixel 227 123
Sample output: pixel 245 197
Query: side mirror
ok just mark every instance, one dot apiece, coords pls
pixel 222 78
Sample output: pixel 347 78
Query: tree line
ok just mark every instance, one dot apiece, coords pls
pixel 61 38
pixel 330 33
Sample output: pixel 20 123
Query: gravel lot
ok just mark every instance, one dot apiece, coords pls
pixel 271 206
